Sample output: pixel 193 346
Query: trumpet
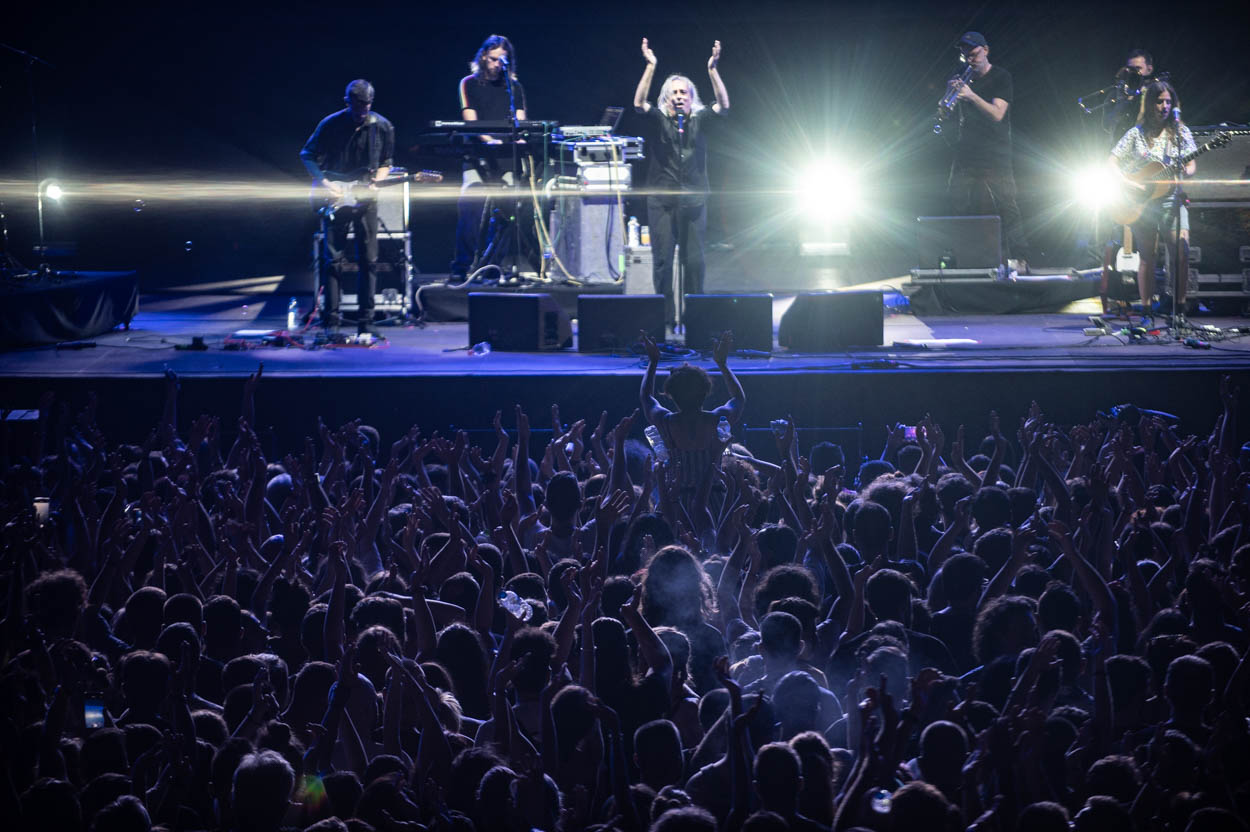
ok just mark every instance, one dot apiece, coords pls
pixel 947 105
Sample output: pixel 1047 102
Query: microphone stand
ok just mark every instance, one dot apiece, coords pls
pixel 11 267
pixel 1178 202
pixel 516 175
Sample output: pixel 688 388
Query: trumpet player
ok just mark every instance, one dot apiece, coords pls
pixel 981 179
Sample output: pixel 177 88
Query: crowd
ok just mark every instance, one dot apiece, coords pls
pixel 1042 629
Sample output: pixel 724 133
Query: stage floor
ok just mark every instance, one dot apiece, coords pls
pixel 912 342
pixel 954 368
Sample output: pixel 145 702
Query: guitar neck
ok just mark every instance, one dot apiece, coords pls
pixel 1218 141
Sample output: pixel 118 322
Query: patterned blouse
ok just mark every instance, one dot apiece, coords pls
pixel 1132 151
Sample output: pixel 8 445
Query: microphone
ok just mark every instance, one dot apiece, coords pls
pixel 681 124
pixel 1176 114
pixel 503 61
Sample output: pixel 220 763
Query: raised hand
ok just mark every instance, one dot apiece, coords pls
pixel 725 343
pixel 647 54
pixel 649 346
pixel 611 509
pixel 715 59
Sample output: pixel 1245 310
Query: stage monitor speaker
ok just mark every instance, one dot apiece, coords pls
pixel 749 316
pixel 828 321
pixel 610 323
pixel 518 322
pixel 948 243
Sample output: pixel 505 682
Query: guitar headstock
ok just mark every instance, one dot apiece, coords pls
pixel 427 176
pixel 1220 140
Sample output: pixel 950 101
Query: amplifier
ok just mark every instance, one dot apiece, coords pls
pixel 586 232
pixel 1223 174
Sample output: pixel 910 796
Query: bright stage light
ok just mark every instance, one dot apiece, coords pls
pixel 826 190
pixel 53 191
pixel 1095 186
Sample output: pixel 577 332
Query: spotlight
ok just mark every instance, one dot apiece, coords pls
pixel 826 193
pixel 53 191
pixel 1096 186
pixel 826 190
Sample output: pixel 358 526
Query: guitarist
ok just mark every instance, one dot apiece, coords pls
pixel 354 144
pixel 1155 139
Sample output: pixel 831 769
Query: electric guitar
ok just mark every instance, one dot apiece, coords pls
pixel 1153 181
pixel 354 190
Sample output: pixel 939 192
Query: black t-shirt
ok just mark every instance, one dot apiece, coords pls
pixel 985 144
pixel 679 157
pixel 489 99
pixel 342 149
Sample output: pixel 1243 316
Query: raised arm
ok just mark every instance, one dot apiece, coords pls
pixel 644 83
pixel 718 86
pixel 651 406
pixel 732 409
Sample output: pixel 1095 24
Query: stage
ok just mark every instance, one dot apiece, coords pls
pixel 955 367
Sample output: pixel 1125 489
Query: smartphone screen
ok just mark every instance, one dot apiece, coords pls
pixel 93 713
pixel 909 433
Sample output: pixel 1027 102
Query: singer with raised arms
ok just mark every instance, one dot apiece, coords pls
pixel 677 181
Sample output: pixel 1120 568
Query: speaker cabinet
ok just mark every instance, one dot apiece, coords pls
pixel 518 322
pixel 610 323
pixel 749 316
pixel 587 231
pixel 828 321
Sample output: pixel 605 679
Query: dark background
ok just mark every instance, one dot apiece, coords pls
pixel 230 91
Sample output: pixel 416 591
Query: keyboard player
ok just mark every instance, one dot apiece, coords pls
pixel 484 96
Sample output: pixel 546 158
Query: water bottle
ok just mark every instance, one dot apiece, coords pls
pixel 723 432
pixel 644 236
pixel 292 312
pixel 657 443
pixel 633 235
pixel 516 606
pixel 480 348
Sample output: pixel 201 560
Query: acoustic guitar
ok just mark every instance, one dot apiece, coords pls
pixel 1152 182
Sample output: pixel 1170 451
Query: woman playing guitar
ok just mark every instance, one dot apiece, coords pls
pixel 1155 142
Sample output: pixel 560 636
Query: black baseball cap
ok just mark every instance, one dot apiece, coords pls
pixel 971 39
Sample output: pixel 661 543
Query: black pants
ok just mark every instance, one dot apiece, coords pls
pixel 362 220
pixel 676 221
pixel 990 192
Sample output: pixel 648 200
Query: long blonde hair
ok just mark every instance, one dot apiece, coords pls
pixel 666 95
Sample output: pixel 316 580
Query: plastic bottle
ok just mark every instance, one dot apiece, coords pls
pixel 480 348
pixel 644 236
pixel 634 237
pixel 723 431
pixel 516 606
pixel 292 312
pixel 657 443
